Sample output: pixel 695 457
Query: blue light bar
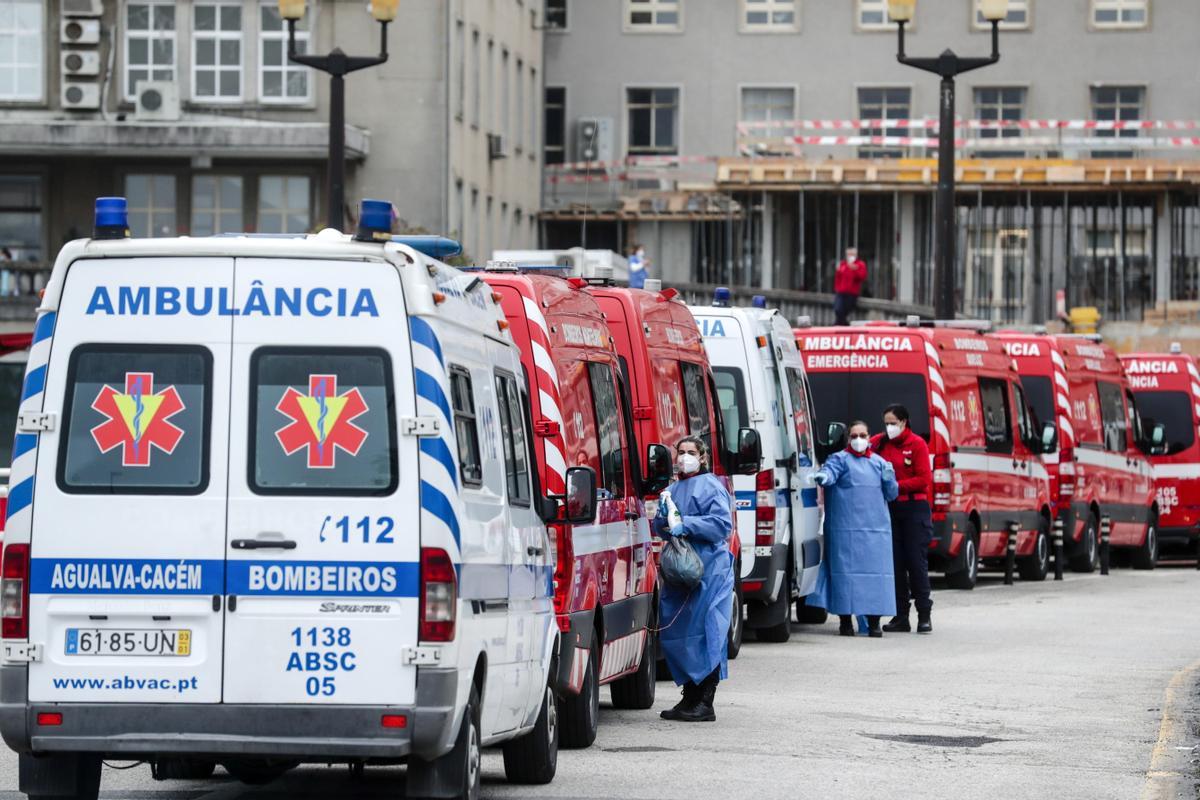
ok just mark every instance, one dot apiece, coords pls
pixel 439 247
pixel 374 221
pixel 112 218
pixel 759 301
pixel 721 296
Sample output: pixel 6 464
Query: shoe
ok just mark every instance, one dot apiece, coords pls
pixel 924 624
pixel 898 625
pixel 873 628
pixel 846 628
pixel 683 706
pixel 701 712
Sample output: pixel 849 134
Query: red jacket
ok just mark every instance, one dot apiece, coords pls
pixel 849 278
pixel 909 455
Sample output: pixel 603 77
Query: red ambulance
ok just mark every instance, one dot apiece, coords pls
pixel 604 576
pixel 964 397
pixel 1167 389
pixel 672 391
pixel 1100 468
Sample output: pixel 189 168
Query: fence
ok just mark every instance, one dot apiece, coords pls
pixel 817 306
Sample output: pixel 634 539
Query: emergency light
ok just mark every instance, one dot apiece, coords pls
pixel 374 220
pixel 759 301
pixel 439 247
pixel 721 297
pixel 112 218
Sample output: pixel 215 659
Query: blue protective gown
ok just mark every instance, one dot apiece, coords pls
pixel 695 643
pixel 856 575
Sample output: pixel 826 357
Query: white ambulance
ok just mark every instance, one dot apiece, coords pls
pixel 273 502
pixel 761 384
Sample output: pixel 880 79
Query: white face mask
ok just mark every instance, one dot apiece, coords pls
pixel 689 464
pixel 860 445
pixel 894 430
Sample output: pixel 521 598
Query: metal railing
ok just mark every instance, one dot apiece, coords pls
pixel 817 306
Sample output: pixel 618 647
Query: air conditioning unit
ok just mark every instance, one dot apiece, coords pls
pixel 594 139
pixel 82 8
pixel 496 147
pixel 79 31
pixel 80 63
pixel 156 101
pixel 80 96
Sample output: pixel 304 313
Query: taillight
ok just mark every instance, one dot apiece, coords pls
pixel 941 483
pixel 439 595
pixel 564 573
pixel 14 592
pixel 764 509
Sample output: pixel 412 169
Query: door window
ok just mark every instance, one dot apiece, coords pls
pixel 512 435
pixel 795 381
pixel 135 420
pixel 321 422
pixel 997 424
pixel 1024 423
pixel 1112 415
pixel 1172 410
pixel 696 402
pixel 466 430
pixel 608 425
pixel 731 396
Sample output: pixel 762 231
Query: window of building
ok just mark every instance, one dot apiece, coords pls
pixel 654 15
pixel 1117 104
pixel 149 44
pixel 1018 18
pixel 281 80
pixel 22 50
pixel 608 429
pixel 1001 104
pixel 217 51
pixel 884 103
pixel 489 96
pixel 460 69
pixel 216 205
pixel 653 121
pixel 476 80
pixel 533 113
pixel 555 137
pixel 151 203
pixel 466 431
pixel 871 15
pixel 21 217
pixel 556 15
pixel 519 113
pixel 769 104
pixel 512 436
pixel 505 95
pixel 284 204
pixel 1120 13
pixel 770 16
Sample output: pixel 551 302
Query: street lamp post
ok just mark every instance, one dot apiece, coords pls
pixel 338 65
pixel 948 65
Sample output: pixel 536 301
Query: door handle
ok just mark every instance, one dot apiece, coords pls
pixel 1016 463
pixel 631 516
pixel 533 551
pixel 263 544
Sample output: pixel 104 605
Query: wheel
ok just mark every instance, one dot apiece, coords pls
pixel 1146 556
pixel 174 768
pixel 256 772
pixel 1035 567
pixel 777 634
pixel 1087 559
pixel 810 615
pixel 460 768
pixel 579 716
pixel 737 619
pixel 636 691
pixel 533 758
pixel 968 576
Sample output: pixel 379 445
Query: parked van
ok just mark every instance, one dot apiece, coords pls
pixel 760 384
pixel 604 581
pixel 1167 389
pixel 285 512
pixel 672 393
pixel 965 399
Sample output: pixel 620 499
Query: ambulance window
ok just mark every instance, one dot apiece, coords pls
pixel 1133 417
pixel 1112 414
pixel 997 425
pixel 1041 396
pixel 731 395
pixel 12 376
pixel 321 422
pixel 466 431
pixel 799 408
pixel 1172 410
pixel 608 426
pixel 1024 425
pixel 512 435
pixel 696 402
pixel 136 420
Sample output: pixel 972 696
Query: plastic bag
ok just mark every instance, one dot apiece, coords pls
pixel 680 565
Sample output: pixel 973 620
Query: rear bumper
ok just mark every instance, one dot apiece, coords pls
pixel 1173 537
pixel 573 653
pixel 946 551
pixel 310 732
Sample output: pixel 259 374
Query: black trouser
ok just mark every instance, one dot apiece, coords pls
pixel 912 529
pixel 705 691
pixel 844 304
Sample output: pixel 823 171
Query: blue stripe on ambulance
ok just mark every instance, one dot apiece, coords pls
pixel 24 458
pixel 44 328
pixel 808 498
pixel 35 382
pixel 324 578
pixel 746 500
pixel 438 462
pixel 124 576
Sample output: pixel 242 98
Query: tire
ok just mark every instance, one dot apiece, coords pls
pixel 62 776
pixel 1087 558
pixel 966 578
pixel 1035 567
pixel 533 758
pixel 579 716
pixel 778 634
pixel 1146 556
pixel 810 615
pixel 175 768
pixel 257 772
pixel 636 691
pixel 463 763
pixel 737 619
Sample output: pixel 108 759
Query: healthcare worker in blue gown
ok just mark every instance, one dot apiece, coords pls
pixel 695 622
pixel 856 577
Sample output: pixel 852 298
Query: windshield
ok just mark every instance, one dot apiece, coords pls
pixel 848 396
pixel 1040 396
pixel 1173 410
pixel 731 394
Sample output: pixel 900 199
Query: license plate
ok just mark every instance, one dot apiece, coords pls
pixel 128 642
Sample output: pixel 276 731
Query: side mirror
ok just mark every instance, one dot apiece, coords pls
pixel 748 458
pixel 547 508
pixel 581 496
pixel 659 468
pixel 1049 437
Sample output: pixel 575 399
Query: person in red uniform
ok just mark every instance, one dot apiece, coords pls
pixel 847 285
pixel 912 522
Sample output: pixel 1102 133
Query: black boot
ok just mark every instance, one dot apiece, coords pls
pixel 706 695
pixel 898 625
pixel 924 623
pixel 846 628
pixel 873 627
pixel 691 696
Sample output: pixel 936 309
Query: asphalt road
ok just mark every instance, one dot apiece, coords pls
pixel 1063 690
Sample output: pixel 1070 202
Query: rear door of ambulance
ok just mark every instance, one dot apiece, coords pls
pixel 324 539
pixel 129 500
